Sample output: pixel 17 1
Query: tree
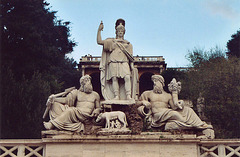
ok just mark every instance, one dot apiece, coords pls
pixel 31 34
pixel 217 78
pixel 33 64
pixel 233 45
pixel 169 74
pixel 22 105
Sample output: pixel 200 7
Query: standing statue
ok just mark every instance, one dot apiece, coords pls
pixel 71 112
pixel 200 106
pixel 166 109
pixel 118 75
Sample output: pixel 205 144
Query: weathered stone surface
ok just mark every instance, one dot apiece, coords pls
pixel 118 102
pixel 168 135
pixel 121 145
pixel 91 128
pixel 209 133
pixel 135 122
pixel 114 131
pixel 121 150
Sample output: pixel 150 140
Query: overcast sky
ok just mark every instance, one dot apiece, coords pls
pixel 167 28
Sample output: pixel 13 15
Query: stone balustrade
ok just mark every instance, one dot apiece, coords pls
pixel 130 145
pixel 90 58
pixel 22 148
pixel 154 64
pixel 219 148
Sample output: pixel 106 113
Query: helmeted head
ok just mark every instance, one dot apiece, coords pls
pixel 85 84
pixel 158 83
pixel 120 28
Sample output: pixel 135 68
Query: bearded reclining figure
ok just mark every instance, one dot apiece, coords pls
pixel 69 113
pixel 165 108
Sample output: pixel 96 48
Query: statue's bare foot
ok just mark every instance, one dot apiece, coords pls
pixel 48 125
pixel 116 98
pixel 206 126
pixel 129 97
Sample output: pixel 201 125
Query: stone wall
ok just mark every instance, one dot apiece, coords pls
pixel 121 146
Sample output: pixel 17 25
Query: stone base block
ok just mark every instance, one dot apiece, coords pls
pixel 119 102
pixel 145 145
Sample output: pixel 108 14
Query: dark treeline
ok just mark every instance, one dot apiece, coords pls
pixel 33 64
pixel 216 75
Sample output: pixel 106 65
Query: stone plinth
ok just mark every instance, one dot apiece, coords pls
pixel 144 145
pixel 114 131
pixel 118 102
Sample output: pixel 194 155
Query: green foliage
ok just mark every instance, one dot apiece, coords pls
pixel 217 78
pixel 32 39
pixel 233 45
pixel 23 104
pixel 33 64
pixel 169 74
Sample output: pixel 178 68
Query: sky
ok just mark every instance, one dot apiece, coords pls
pixel 168 28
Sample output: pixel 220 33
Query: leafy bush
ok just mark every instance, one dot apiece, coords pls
pixel 217 78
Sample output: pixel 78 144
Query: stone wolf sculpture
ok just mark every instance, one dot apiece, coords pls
pixel 112 115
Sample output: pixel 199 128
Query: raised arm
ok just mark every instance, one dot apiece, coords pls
pixel 171 102
pixel 99 37
pixel 175 87
pixel 69 99
pixel 61 100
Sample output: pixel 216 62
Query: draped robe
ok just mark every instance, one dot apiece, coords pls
pixel 114 63
pixel 68 116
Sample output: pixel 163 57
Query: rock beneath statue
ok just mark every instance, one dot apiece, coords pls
pixel 134 120
pixel 209 133
pixel 170 135
pixel 52 133
pixel 89 129
pixel 114 131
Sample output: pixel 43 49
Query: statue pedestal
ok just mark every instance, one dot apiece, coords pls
pixel 146 144
pixel 109 105
pixel 118 102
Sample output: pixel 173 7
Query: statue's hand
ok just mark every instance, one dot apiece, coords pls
pixel 180 104
pixel 131 66
pixel 100 28
pixel 146 104
pixel 51 98
pixel 95 113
